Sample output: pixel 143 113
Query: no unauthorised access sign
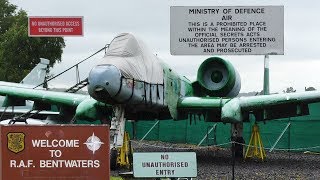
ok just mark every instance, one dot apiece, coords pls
pixel 226 30
pixel 55 26
pixel 54 152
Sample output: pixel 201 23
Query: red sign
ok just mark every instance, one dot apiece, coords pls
pixel 55 26
pixel 55 152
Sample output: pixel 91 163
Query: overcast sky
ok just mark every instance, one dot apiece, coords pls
pixel 150 20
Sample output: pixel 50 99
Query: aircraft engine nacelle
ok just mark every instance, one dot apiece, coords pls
pixel 217 78
pixel 92 110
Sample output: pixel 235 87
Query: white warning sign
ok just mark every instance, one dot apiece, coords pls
pixel 226 30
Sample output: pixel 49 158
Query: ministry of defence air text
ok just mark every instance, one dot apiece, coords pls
pixel 227 30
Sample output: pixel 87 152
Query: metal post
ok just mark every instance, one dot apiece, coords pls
pixel 266 89
pixel 289 138
pixel 215 134
pixel 233 158
pixel 5 109
pixel 206 136
pixel 77 74
pixel 159 131
pixel 186 130
pixel 149 131
pixel 284 130
pixel 133 123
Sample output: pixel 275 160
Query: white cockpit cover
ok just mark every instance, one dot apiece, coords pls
pixel 134 60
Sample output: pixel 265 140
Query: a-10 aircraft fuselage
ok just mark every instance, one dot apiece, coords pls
pixel 157 97
pixel 143 99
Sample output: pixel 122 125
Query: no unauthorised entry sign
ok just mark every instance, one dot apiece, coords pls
pixel 53 152
pixel 55 26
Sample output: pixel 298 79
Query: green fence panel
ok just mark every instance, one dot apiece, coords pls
pixel 173 131
pixel 303 131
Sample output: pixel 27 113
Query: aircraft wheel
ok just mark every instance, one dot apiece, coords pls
pixel 113 158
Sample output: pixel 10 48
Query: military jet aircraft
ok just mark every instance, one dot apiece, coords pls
pixel 36 76
pixel 132 83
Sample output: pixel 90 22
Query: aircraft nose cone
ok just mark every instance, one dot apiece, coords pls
pixel 104 82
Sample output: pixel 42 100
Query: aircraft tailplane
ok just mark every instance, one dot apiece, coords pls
pixel 38 73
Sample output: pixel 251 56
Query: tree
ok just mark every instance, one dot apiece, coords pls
pixel 19 53
pixel 309 89
pixel 7 12
pixel 289 90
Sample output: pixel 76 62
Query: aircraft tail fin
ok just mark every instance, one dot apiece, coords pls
pixel 37 74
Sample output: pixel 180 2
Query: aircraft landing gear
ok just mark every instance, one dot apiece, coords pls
pixel 120 147
pixel 117 127
pixel 122 156
pixel 238 147
pixel 237 138
pixel 113 158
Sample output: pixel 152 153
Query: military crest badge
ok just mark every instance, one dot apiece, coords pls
pixel 15 142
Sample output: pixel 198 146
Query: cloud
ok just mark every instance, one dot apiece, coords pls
pixel 150 20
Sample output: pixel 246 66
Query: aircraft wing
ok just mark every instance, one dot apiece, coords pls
pixel 264 107
pixel 86 107
pixel 58 98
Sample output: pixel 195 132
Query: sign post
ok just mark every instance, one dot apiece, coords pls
pixel 54 151
pixel 266 83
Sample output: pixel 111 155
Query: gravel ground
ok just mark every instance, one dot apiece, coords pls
pixel 215 163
